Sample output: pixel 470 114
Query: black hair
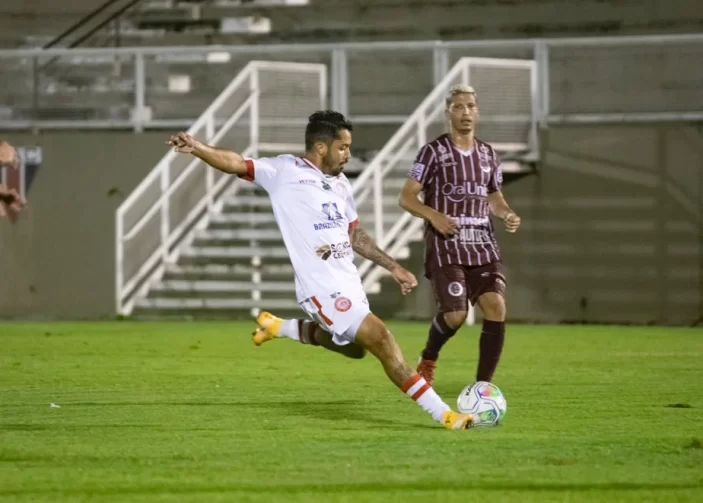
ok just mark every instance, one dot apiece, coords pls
pixel 325 125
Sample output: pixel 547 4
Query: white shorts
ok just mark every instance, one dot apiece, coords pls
pixel 339 313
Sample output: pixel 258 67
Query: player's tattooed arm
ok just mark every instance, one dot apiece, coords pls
pixel 219 158
pixel 365 246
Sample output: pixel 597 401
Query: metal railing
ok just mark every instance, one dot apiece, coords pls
pixel 596 79
pixel 178 195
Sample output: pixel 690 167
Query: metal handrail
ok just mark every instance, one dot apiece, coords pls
pixel 196 217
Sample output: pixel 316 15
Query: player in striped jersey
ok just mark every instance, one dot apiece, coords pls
pixel 461 179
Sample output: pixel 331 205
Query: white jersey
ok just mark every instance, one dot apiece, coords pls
pixel 315 213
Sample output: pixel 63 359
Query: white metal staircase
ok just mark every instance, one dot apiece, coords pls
pixel 174 233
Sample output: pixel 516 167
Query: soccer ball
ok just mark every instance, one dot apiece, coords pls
pixel 485 401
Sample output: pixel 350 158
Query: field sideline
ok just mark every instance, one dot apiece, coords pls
pixel 194 412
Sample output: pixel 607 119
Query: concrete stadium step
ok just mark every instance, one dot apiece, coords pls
pixel 232 255
pixel 235 252
pixel 236 272
pixel 236 203
pixel 205 289
pixel 214 309
pixel 225 237
pixel 235 220
pixel 216 304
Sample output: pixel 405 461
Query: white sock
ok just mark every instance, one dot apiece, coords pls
pixel 418 389
pixel 289 328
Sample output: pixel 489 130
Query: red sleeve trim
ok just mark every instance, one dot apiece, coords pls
pixel 353 224
pixel 249 175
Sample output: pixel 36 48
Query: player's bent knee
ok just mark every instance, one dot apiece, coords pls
pixel 455 319
pixel 493 306
pixel 373 334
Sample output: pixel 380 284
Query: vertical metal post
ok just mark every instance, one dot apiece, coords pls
pixel 119 261
pixel 541 55
pixel 139 92
pixel 254 134
pixel 465 73
pixel 165 209
pixel 440 63
pixel 323 88
pixel 471 318
pixel 378 206
pixel 254 111
pixel 35 91
pixel 340 82
pixel 209 172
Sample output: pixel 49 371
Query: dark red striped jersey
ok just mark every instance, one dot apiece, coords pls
pixel 457 184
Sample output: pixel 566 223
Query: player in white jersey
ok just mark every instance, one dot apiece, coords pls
pixel 314 207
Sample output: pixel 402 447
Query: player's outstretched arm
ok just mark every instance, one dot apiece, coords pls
pixel 222 159
pixel 501 209
pixel 365 246
pixel 411 203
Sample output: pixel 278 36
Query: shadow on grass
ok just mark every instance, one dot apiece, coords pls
pixel 375 487
pixel 333 410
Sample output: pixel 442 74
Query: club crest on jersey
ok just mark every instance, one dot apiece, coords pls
pixel 334 217
pixel 455 289
pixel 326 185
pixel 342 304
pixel 484 158
pixel 339 189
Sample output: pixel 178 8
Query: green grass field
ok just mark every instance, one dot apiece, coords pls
pixel 195 412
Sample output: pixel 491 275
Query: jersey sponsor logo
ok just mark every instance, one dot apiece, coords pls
pixel 306 181
pixel 417 171
pixel 474 236
pixel 334 217
pixel 331 210
pixel 326 185
pixel 464 221
pixel 458 193
pixel 455 289
pixel 447 160
pixel 328 225
pixel 342 304
pixel 335 250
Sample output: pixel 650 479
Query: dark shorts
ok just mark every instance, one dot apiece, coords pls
pixel 455 286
